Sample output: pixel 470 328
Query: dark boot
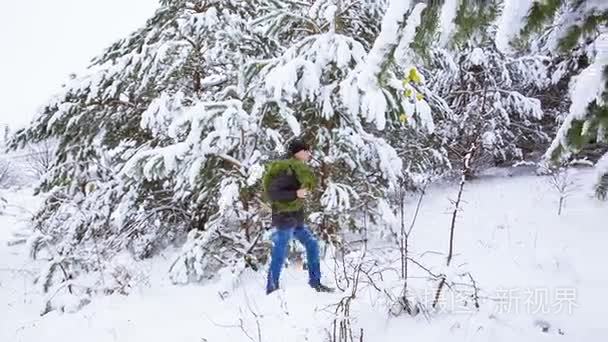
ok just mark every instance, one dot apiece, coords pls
pixel 323 288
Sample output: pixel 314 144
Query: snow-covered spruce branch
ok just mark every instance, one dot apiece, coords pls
pixel 205 252
pixel 601 188
pixel 362 91
pixel 8 173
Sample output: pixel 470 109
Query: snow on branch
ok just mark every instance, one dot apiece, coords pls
pixel 363 90
pixel 602 177
pixel 212 127
pixel 585 88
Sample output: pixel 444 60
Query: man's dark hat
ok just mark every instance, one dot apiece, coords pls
pixel 297 145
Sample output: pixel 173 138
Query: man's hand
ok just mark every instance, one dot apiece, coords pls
pixel 302 193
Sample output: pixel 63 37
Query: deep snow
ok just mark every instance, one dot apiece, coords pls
pixel 540 269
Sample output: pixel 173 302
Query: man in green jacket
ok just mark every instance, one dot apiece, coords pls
pixel 287 183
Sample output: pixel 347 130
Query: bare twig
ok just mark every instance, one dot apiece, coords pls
pixel 465 170
pixel 404 248
pixel 476 293
pixel 256 316
pixel 560 180
pixel 424 268
pixel 417 209
pixel 341 326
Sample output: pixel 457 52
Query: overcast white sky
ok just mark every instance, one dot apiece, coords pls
pixel 43 41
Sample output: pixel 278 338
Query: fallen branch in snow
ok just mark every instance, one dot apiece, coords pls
pixel 70 284
pixel 424 268
pixel 16 241
pixel 241 322
pixel 240 326
pixel 18 270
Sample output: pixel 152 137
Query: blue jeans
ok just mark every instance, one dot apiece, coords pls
pixel 281 238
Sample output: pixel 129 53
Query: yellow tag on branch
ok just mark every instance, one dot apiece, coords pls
pixel 414 76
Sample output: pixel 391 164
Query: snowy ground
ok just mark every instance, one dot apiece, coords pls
pixel 541 269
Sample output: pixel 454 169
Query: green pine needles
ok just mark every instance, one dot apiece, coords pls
pixel 601 190
pixel 541 13
pixel 290 166
pixel 473 19
pixel 592 128
pixel 426 33
pixel 588 27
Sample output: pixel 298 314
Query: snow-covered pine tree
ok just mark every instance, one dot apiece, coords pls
pixel 576 32
pixel 355 104
pixel 142 138
pixel 162 137
pixel 491 94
